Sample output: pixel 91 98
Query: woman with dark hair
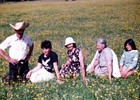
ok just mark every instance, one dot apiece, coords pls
pixel 75 61
pixel 129 59
pixel 131 43
pixel 47 65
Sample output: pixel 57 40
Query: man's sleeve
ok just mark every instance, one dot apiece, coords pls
pixel 5 44
pixel 30 43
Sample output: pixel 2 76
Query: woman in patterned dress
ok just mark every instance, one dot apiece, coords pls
pixel 75 61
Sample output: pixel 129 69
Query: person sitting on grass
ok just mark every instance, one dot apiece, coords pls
pixel 75 61
pixel 47 65
pixel 102 64
pixel 129 59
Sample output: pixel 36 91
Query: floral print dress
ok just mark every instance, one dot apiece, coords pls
pixel 73 69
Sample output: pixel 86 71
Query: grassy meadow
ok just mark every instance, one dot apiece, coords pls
pixel 85 21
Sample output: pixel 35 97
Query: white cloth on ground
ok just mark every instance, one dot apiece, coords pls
pixel 41 75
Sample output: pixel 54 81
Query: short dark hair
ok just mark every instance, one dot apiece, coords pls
pixel 74 45
pixel 131 43
pixel 46 44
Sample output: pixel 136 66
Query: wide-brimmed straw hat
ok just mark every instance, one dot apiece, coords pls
pixel 69 40
pixel 20 25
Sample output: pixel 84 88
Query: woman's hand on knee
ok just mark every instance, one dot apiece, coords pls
pixel 59 81
pixel 28 74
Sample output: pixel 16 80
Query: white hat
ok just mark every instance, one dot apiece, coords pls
pixel 69 40
pixel 20 25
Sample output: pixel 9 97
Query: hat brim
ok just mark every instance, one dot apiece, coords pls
pixel 69 43
pixel 12 26
pixel 25 25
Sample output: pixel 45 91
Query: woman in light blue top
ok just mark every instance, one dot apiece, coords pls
pixel 129 59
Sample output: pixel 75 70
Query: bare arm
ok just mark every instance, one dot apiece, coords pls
pixel 81 59
pixel 67 63
pixel 94 65
pixel 56 70
pixel 4 55
pixel 39 65
pixel 7 58
pixel 30 52
pixel 109 68
pixel 55 64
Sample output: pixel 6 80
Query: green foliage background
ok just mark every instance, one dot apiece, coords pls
pixel 85 21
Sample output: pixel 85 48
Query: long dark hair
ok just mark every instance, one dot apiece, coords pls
pixel 131 43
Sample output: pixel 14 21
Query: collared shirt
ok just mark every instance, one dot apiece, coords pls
pixel 130 59
pixel 104 57
pixel 18 48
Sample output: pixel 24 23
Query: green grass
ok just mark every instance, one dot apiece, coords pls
pixel 85 21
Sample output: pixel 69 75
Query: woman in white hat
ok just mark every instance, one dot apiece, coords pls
pixel 75 61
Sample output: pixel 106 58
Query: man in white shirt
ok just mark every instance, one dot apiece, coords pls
pixel 20 49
